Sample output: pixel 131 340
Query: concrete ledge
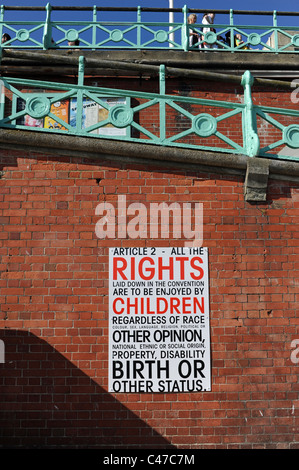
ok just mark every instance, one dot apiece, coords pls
pixel 223 61
pixel 209 60
pixel 95 147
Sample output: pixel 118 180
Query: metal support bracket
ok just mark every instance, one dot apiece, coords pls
pixel 250 135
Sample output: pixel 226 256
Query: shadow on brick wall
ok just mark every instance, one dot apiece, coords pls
pixel 47 402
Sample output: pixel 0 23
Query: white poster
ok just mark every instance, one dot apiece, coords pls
pixel 90 113
pixel 159 332
pixel 109 129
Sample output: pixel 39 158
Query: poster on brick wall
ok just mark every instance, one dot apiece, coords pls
pixel 27 120
pixel 90 111
pixel 93 113
pixel 109 129
pixel 159 331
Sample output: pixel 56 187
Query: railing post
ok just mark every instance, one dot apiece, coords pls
pixel 275 31
pixel 185 31
pixel 231 22
pixel 171 21
pixel 251 141
pixel 162 103
pixel 47 37
pixel 94 27
pixel 138 28
pixel 79 113
pixel 1 19
pixel 1 27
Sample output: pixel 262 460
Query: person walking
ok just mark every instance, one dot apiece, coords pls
pixel 207 20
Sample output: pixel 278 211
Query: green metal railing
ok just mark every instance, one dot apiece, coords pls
pixel 150 118
pixel 138 33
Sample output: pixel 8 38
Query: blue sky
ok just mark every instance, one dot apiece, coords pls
pixel 256 5
pixel 287 5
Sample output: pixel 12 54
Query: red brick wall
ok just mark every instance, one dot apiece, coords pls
pixel 54 309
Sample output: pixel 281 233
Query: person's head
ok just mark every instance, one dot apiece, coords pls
pixel 211 15
pixel 239 36
pixel 5 37
pixel 74 43
pixel 192 18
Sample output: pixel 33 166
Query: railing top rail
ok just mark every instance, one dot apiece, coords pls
pixel 148 9
pixel 200 126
